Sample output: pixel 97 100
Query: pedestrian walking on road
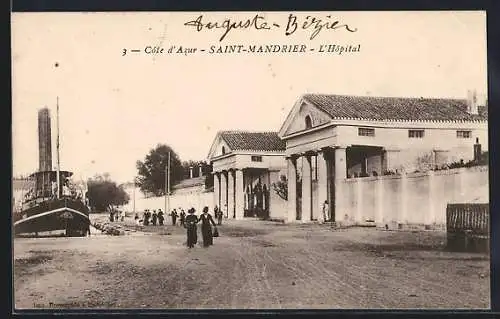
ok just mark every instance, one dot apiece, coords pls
pixel 206 227
pixel 161 218
pixel 190 225
pixel 173 214
pixel 146 217
pixel 182 217
pixel 218 215
pixel 154 217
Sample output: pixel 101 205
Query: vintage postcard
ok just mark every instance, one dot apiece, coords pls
pixel 250 160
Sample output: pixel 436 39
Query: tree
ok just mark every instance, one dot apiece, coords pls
pixel 151 172
pixel 281 187
pixel 103 193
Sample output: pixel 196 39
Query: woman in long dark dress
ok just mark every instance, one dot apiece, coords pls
pixel 206 229
pixel 190 224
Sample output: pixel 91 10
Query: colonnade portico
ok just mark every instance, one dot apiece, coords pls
pixel 229 192
pixel 331 166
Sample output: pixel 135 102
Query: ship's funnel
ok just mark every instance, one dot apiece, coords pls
pixel 44 140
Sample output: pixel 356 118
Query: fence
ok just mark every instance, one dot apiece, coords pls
pixel 467 227
pixel 410 199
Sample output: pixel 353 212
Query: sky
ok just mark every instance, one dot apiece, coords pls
pixel 114 108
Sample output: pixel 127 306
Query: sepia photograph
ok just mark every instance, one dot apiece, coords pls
pixel 250 160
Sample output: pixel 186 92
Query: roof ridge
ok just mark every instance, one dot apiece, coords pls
pixel 246 131
pixel 385 96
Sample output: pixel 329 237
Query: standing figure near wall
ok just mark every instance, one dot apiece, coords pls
pixel 326 216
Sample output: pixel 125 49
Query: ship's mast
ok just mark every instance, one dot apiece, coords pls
pixel 57 152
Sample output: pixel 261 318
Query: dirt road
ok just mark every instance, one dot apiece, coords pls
pixel 253 264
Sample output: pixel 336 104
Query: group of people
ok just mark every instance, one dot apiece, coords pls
pixel 188 221
pixel 207 232
pixel 116 215
pixel 150 217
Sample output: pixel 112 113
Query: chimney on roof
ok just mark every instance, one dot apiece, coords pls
pixel 472 102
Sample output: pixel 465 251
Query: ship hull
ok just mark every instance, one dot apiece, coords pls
pixel 69 215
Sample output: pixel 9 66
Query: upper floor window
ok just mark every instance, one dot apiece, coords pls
pixel 308 122
pixel 256 158
pixel 464 134
pixel 415 133
pixel 223 150
pixel 363 131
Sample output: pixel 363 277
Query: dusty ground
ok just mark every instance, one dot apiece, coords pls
pixel 253 264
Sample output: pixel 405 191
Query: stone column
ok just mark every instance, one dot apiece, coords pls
pixel 292 189
pixel 391 162
pixel 340 174
pixel 358 218
pixel 379 216
pixel 216 189
pixel 306 188
pixel 223 192
pixel 190 172
pixel 322 183
pixel 340 162
pixel 240 194
pixel 230 194
pixel 200 171
pixel 404 199
pixel 430 218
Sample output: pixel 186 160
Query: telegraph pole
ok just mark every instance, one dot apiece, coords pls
pixel 58 177
pixel 135 184
pixel 168 182
pixel 167 185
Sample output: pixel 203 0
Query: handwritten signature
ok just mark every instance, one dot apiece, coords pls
pixel 259 22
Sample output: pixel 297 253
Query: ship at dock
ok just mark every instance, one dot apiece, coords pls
pixel 51 201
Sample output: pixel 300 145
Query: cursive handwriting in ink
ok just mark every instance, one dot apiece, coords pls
pixel 258 22
pixel 317 24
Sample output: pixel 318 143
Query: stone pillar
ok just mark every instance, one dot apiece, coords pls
pixel 230 194
pixel 190 172
pixel 340 162
pixel 216 189
pixel 379 215
pixel 223 192
pixel 240 194
pixel 306 188
pixel 430 218
pixel 358 218
pixel 340 167
pixel 404 199
pixel 391 159
pixel 322 183
pixel 200 170
pixel 292 189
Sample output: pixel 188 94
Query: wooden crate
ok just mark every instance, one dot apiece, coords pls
pixel 468 227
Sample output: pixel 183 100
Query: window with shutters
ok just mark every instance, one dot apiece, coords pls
pixel 416 133
pixel 364 131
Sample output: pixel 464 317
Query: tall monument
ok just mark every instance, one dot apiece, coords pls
pixel 44 140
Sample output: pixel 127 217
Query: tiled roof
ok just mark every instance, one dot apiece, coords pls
pixel 253 141
pixel 394 108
